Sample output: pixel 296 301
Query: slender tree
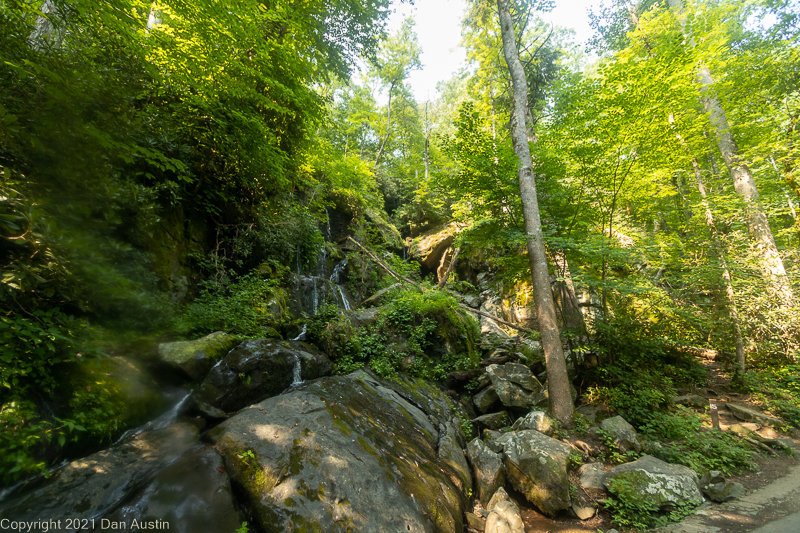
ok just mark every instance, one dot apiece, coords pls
pixel 743 182
pixel 561 405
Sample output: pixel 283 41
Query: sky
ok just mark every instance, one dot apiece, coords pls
pixel 438 27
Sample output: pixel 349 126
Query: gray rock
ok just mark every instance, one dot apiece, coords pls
pixel 472 301
pixel 195 358
pixel 475 522
pixel 691 400
pixel 487 469
pixel 622 433
pixel 515 385
pixel 493 421
pixel 504 518
pixel 747 414
pixel 485 399
pixel 724 491
pixel 595 413
pixel 344 450
pixel 652 481
pixel 192 494
pixel 591 476
pixel 535 420
pixel 500 496
pixel 95 485
pixel 451 454
pixel 258 369
pixel 536 465
pixel 712 476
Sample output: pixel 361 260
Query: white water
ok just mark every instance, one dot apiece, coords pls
pixel 165 419
pixel 302 335
pixel 344 298
pixel 296 370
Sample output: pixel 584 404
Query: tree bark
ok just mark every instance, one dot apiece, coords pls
pixel 743 182
pixel 561 406
pixel 730 295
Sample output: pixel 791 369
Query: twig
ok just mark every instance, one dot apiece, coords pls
pixel 450 268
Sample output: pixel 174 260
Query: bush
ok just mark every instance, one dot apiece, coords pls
pixel 423 334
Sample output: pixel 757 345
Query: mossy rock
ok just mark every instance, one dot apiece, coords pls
pixel 195 358
pixel 346 453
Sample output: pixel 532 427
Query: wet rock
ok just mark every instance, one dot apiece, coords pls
pixel 747 414
pixel 345 450
pixel 487 469
pixel 535 420
pixel 192 494
pixel 504 518
pixel 536 465
pixel 515 385
pixel 622 434
pixel 652 481
pixel 485 399
pixel 95 485
pixel 195 358
pixel 258 369
pixel 493 421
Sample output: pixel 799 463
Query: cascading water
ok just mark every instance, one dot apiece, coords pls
pixel 166 419
pixel 337 278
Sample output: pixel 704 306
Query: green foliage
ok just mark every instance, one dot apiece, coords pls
pixel 629 511
pixel 407 336
pixel 778 389
pixel 250 306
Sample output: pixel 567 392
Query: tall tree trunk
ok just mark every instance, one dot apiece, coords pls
pixel 743 182
pixel 388 124
pixel 561 406
pixel 730 295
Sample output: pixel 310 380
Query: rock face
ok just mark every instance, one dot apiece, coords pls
pixel 429 248
pixel 622 433
pixel 535 420
pixel 536 465
pixel 95 485
pixel 258 369
pixel 515 385
pixel 651 481
pixel 195 358
pixel 493 421
pixel 345 453
pixel 487 469
pixel 192 494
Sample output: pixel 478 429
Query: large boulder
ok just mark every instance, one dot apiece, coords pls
pixel 515 385
pixel 96 485
pixel 345 453
pixel 622 434
pixel 535 420
pixel 749 414
pixel 258 369
pixel 192 494
pixel 653 482
pixel 485 399
pixel 536 465
pixel 429 248
pixel 487 469
pixel 195 358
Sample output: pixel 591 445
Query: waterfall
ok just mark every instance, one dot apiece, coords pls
pixel 296 370
pixel 302 335
pixel 337 278
pixel 345 302
pixel 160 422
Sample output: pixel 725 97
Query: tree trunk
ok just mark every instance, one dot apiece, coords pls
pixel 743 182
pixel 388 124
pixel 44 33
pixel 730 295
pixel 561 406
